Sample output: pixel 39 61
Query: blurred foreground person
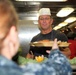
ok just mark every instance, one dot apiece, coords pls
pixel 57 63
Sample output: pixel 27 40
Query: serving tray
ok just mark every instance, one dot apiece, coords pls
pixel 49 44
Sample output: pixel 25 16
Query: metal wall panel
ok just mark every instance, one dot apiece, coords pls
pixel 26 30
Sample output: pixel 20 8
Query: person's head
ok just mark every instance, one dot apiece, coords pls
pixel 71 35
pixel 45 20
pixel 9 42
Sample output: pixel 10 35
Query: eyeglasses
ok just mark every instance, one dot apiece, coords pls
pixel 44 18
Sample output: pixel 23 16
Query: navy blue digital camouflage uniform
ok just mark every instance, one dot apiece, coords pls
pixel 57 64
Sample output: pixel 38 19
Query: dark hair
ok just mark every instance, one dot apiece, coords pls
pixel 71 35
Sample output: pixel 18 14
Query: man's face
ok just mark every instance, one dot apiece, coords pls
pixel 45 22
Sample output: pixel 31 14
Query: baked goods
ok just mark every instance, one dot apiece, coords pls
pixel 48 43
pixel 64 44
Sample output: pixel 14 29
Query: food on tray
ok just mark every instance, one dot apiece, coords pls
pixel 48 43
pixel 39 58
pixel 64 44
pixel 22 60
pixel 73 61
pixel 42 41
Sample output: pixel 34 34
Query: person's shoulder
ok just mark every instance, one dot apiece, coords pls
pixel 35 37
pixel 58 33
pixel 55 31
pixel 60 36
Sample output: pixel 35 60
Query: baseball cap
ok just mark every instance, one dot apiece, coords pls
pixel 44 11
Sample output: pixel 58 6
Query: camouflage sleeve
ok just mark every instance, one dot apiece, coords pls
pixel 57 64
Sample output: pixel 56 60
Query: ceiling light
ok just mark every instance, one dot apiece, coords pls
pixel 45 0
pixel 63 24
pixel 33 3
pixel 60 25
pixel 65 12
pixel 70 19
pixel 56 27
pixel 51 0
